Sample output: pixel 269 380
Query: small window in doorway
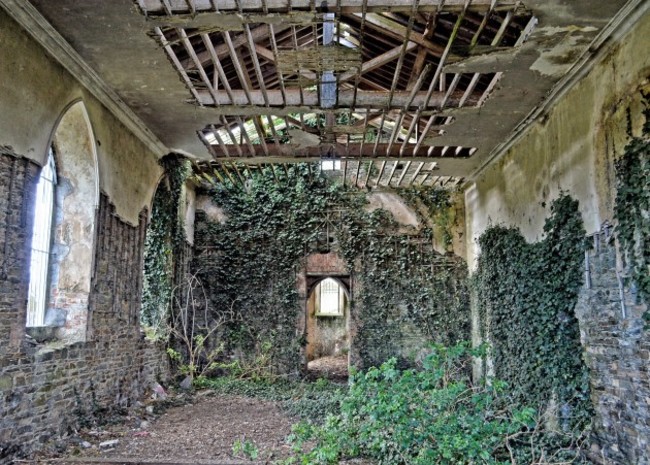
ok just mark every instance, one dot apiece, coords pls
pixel 41 244
pixel 330 298
pixel 330 165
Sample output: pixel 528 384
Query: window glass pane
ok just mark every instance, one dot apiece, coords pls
pixel 41 242
pixel 329 297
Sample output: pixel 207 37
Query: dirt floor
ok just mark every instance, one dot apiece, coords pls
pixel 334 368
pixel 203 431
pixel 197 429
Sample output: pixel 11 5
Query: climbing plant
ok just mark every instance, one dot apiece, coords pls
pixel 438 205
pixel 406 292
pixel 526 294
pixel 252 258
pixel 164 240
pixel 632 209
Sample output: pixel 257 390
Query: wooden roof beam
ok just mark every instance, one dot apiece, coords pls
pixel 378 61
pixel 310 101
pixel 398 31
pixel 223 50
pixel 269 56
pixel 155 7
pixel 291 153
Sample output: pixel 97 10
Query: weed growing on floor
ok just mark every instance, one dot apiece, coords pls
pixel 245 448
pixel 304 400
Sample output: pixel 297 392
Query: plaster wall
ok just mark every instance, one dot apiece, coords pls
pixel 571 148
pixel 35 91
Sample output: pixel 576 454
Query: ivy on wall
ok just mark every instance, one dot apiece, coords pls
pixel 438 206
pixel 632 209
pixel 526 294
pixel 249 263
pixel 165 238
pixel 407 294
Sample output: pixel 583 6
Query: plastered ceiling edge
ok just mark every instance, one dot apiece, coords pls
pixel 42 31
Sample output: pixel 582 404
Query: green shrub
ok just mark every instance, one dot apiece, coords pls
pixel 429 416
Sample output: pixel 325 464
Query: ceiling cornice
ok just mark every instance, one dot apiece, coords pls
pixel 611 34
pixel 30 19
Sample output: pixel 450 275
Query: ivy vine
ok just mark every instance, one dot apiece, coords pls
pixel 437 204
pixel 526 295
pixel 632 209
pixel 248 263
pixel 408 295
pixel 164 240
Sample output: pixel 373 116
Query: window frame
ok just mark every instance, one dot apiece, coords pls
pixel 340 299
pixel 42 239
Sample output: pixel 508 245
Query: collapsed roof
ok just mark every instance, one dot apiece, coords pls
pixel 394 92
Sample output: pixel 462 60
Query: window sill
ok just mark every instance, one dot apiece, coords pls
pixel 42 334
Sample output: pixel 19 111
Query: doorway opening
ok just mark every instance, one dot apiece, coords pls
pixel 328 327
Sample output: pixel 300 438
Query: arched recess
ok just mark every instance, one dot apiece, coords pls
pixel 70 266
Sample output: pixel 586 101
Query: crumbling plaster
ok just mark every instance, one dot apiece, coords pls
pixel 393 203
pixel 563 150
pixel 36 91
pixel 76 207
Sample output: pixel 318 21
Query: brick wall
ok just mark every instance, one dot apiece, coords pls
pixel 618 355
pixel 43 385
pixel 18 178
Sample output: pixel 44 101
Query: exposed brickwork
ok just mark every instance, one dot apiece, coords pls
pixel 618 355
pixel 18 178
pixel 43 386
pixel 325 264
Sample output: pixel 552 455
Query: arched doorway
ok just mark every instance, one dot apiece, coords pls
pixel 328 323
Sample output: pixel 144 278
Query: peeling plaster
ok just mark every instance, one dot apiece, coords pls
pixel 558 60
pixel 393 204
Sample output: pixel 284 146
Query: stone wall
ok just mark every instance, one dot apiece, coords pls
pixel 45 387
pixel 618 355
pixel 18 178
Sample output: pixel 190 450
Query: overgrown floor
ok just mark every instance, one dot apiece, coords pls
pixel 204 427
pixel 203 431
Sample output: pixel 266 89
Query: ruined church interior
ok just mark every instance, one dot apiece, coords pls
pixel 200 192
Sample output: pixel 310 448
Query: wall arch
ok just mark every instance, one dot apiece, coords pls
pixel 71 260
pixel 344 282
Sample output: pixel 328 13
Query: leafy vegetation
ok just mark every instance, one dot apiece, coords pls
pixel 406 291
pixel 632 209
pixel 430 416
pixel 526 295
pixel 164 240
pixel 245 448
pixel 312 401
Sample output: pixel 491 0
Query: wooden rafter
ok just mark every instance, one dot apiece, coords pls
pixel 378 61
pixel 308 100
pixel 345 6
pixel 398 31
pixel 355 150
pixel 241 76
